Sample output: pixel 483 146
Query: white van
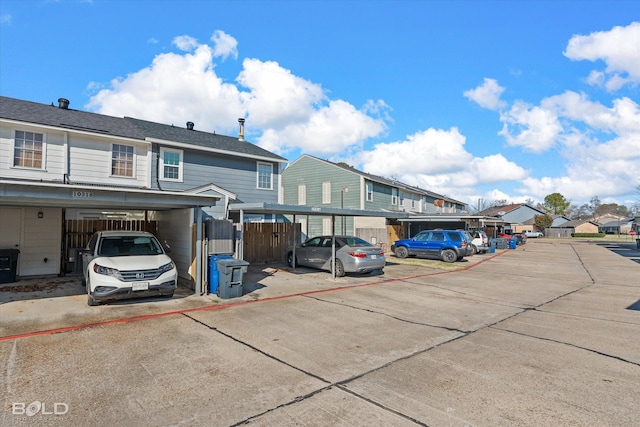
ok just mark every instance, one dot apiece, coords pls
pixel 533 233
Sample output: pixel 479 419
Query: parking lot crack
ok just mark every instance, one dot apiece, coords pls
pixel 368 310
pixel 569 345
pixel 254 348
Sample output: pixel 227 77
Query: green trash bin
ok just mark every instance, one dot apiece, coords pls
pixel 231 272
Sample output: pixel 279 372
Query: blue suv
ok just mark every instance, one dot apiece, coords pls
pixel 446 245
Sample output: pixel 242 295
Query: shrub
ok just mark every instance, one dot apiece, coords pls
pixel 588 234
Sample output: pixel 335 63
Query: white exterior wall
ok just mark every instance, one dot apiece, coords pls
pixel 38 239
pixel 89 157
pixel 90 161
pixel 53 158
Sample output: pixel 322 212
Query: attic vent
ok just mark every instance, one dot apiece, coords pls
pixel 190 125
pixel 241 133
pixel 63 103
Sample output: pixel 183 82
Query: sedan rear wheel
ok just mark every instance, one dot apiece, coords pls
pixel 339 268
pixel 448 255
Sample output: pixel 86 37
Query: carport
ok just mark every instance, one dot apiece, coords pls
pixel 302 210
pixel 450 221
pixel 41 195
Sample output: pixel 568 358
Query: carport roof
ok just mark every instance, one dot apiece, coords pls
pixel 275 208
pixel 44 194
pixel 443 217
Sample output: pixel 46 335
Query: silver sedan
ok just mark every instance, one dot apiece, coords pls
pixel 353 255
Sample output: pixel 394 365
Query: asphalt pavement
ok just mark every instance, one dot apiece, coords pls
pixel 546 334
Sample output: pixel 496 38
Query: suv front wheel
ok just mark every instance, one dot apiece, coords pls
pixel 402 252
pixel 448 255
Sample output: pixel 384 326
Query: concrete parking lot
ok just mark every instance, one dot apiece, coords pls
pixel 546 334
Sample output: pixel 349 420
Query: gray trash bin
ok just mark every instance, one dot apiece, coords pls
pixel 230 272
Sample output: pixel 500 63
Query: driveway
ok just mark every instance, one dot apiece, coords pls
pixel 542 335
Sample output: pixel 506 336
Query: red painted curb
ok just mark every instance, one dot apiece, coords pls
pixel 218 307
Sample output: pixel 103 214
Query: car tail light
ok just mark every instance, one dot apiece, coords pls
pixel 464 244
pixel 358 254
pixel 381 253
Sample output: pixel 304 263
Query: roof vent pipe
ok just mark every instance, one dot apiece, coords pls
pixel 241 134
pixel 190 125
pixel 63 103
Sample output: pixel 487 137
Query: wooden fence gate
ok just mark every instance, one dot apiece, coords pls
pixel 265 242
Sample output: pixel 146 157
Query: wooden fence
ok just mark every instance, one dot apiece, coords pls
pixel 265 242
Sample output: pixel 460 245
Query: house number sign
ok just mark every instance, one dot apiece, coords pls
pixel 82 194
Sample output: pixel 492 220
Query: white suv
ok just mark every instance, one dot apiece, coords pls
pixel 533 233
pixel 126 264
pixel 480 241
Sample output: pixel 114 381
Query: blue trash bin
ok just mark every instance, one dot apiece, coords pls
pixel 214 273
pixel 492 248
pixel 512 243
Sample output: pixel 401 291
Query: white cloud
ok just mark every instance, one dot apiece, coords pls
pixel 619 48
pixel 174 89
pixel 277 97
pixel 224 45
pixel 487 95
pixel 284 110
pixel 185 43
pixel 600 146
pixel 533 128
pixel 331 129
pixel 436 159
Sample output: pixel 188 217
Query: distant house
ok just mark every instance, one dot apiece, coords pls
pixel 618 226
pixel 569 228
pixel 517 217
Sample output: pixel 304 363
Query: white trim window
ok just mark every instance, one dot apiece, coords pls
pixel 171 166
pixel 29 150
pixel 122 160
pixel 326 192
pixel 394 196
pixel 326 226
pixel 302 194
pixel 369 192
pixel 265 176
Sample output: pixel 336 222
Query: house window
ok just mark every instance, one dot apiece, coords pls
pixel 369 192
pixel 122 160
pixel 327 226
pixel 394 196
pixel 302 194
pixel 326 192
pixel 265 178
pixel 171 165
pixel 28 150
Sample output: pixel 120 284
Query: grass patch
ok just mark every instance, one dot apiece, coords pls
pixel 425 262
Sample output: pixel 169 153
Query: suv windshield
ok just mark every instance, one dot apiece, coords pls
pixel 130 245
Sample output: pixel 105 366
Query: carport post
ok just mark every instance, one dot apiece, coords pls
pixel 295 243
pixel 199 251
pixel 333 247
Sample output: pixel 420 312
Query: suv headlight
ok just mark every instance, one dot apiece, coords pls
pixel 167 267
pixel 99 269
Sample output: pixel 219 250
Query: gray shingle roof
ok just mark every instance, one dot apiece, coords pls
pixel 50 115
pixel 198 138
pixel 390 182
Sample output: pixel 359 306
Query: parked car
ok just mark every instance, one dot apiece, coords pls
pixel 126 264
pixel 480 241
pixel 520 237
pixel 353 255
pixel 446 245
pixel 533 233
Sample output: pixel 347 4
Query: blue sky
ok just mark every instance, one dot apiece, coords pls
pixel 477 100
